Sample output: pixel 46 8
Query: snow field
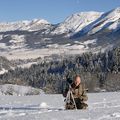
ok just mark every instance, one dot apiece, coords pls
pixel 102 106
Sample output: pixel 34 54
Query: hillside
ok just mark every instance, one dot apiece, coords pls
pixel 16 90
pixel 97 71
pixel 5 65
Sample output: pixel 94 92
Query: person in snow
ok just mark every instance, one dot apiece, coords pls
pixel 79 95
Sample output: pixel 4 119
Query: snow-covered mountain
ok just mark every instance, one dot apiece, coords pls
pixel 90 21
pixel 76 22
pixel 109 20
pixel 34 25
pixel 39 38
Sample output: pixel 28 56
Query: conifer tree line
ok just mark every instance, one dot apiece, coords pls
pixel 97 71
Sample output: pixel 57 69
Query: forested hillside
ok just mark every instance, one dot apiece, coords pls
pixel 98 71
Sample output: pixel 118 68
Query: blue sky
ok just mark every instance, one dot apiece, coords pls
pixel 53 11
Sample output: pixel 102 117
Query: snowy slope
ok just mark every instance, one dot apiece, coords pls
pixel 102 106
pixel 36 24
pixel 5 65
pixel 17 90
pixel 3 70
pixel 76 22
pixel 109 20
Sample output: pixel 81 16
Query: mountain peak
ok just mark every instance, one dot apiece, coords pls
pixel 40 21
pixel 117 9
pixel 34 24
pixel 76 22
pixel 83 15
pixel 113 13
pixel 108 20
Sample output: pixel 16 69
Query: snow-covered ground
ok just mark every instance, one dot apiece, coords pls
pixel 102 106
pixel 17 90
pixel 67 49
pixel 3 71
pixel 28 54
